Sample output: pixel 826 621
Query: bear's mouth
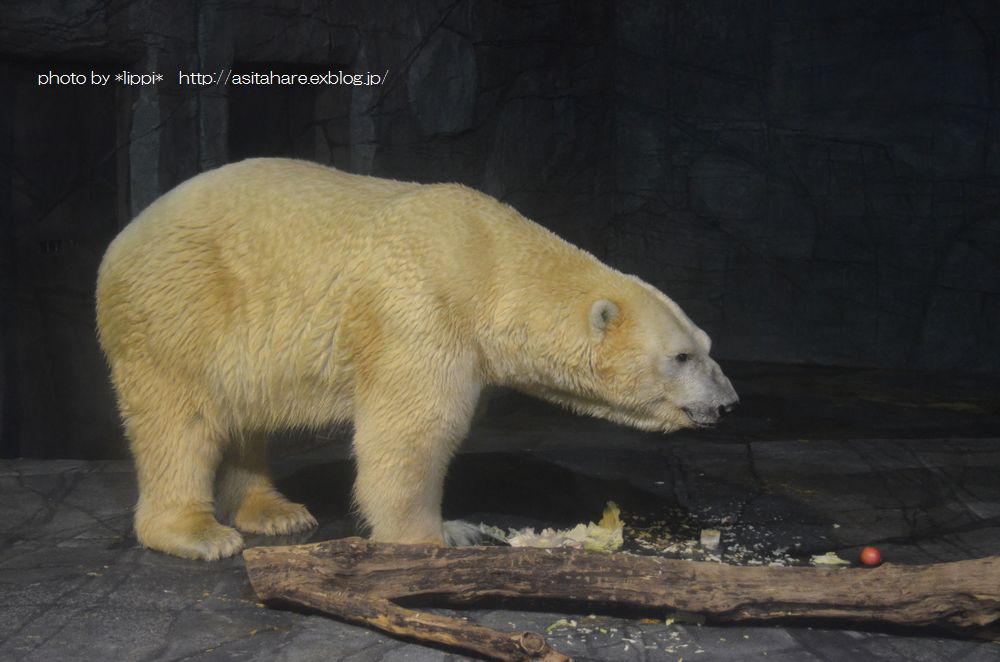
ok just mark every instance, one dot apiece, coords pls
pixel 701 417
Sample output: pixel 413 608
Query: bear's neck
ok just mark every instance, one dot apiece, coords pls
pixel 538 335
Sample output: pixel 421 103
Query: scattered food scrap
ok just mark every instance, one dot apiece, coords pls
pixel 710 538
pixel 830 558
pixel 605 536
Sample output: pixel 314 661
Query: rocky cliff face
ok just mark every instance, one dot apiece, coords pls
pixel 813 182
pixel 820 181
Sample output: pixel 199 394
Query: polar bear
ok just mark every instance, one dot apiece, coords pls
pixel 274 293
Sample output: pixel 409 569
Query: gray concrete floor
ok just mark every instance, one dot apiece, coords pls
pixel 816 460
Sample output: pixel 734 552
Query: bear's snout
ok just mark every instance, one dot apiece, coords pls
pixel 706 416
pixel 712 398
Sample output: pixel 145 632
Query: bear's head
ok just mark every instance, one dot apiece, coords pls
pixel 629 355
pixel 652 364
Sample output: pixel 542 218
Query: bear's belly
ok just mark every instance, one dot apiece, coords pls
pixel 303 386
pixel 296 405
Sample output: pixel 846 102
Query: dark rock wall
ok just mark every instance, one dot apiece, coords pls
pixel 813 182
pixel 816 182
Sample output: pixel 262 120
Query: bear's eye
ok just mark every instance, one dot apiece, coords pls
pixel 682 358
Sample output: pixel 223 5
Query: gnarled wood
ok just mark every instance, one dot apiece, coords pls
pixel 388 617
pixel 357 580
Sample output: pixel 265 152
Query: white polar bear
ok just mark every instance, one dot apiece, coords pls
pixel 275 293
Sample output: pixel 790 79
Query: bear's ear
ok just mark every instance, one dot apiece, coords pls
pixel 602 315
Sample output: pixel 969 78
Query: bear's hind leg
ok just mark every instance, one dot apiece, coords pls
pixel 246 495
pixel 176 457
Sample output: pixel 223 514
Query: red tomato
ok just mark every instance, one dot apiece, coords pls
pixel 871 556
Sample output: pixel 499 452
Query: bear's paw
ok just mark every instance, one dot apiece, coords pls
pixel 190 534
pixel 463 534
pixel 273 515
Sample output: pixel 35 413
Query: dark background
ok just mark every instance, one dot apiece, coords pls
pixel 814 182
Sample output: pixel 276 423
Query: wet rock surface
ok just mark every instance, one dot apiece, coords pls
pixel 816 460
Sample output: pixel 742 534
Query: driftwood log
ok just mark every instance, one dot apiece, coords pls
pixel 360 582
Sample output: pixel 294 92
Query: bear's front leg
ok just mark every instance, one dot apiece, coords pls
pixel 400 481
pixel 405 435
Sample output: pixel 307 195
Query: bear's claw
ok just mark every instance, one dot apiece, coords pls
pixel 218 542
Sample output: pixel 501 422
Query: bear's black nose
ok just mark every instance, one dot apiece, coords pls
pixel 728 408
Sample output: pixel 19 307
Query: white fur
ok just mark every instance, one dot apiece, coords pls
pixel 273 293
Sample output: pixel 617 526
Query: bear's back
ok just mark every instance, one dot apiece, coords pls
pixel 268 268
